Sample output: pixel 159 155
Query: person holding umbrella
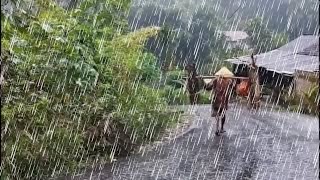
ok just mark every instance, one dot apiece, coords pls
pixel 221 88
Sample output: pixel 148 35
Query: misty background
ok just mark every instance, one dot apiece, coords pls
pixel 192 29
pixel 192 26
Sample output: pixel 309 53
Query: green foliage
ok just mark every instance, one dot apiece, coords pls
pixel 307 102
pixel 193 27
pixel 174 78
pixel 75 84
pixel 148 68
pixel 259 35
pixel 312 99
pixel 205 97
pixel 177 96
pixel 180 39
pixel 262 38
pixel 279 40
pixel 174 91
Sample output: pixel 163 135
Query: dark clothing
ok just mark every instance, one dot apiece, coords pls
pixel 193 85
pixel 223 120
pixel 218 111
pixel 221 90
pixel 194 98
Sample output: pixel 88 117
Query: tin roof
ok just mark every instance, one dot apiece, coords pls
pixel 301 53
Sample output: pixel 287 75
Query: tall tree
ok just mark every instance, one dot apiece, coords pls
pixel 262 39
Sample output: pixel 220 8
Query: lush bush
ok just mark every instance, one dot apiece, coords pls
pixel 174 78
pixel 148 68
pixel 265 40
pixel 205 97
pixel 174 91
pixel 307 103
pixel 311 100
pixel 174 96
pixel 74 89
pixel 178 96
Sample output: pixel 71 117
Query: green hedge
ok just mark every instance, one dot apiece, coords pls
pixel 173 77
pixel 179 97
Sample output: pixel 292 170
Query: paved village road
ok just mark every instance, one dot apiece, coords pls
pixel 257 145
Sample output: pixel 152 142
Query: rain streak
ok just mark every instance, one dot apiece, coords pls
pixel 159 89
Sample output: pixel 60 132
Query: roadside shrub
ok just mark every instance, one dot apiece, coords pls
pixel 174 79
pixel 74 91
pixel 307 103
pixel 179 97
pixel 205 97
pixel 147 68
pixel 174 96
pixel 312 99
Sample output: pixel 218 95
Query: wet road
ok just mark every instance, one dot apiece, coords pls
pixel 257 145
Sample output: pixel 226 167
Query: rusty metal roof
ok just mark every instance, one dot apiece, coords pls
pixel 301 53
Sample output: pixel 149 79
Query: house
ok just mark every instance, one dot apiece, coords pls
pixel 289 66
pixel 236 39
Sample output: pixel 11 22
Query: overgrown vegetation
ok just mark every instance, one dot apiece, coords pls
pixel 307 102
pixel 174 79
pixel 262 38
pixel 175 92
pixel 178 96
pixel 76 87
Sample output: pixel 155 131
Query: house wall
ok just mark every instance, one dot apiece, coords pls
pixel 304 81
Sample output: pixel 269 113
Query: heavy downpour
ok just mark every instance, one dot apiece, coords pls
pixel 159 89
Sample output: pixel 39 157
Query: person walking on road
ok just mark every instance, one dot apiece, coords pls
pixel 221 88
